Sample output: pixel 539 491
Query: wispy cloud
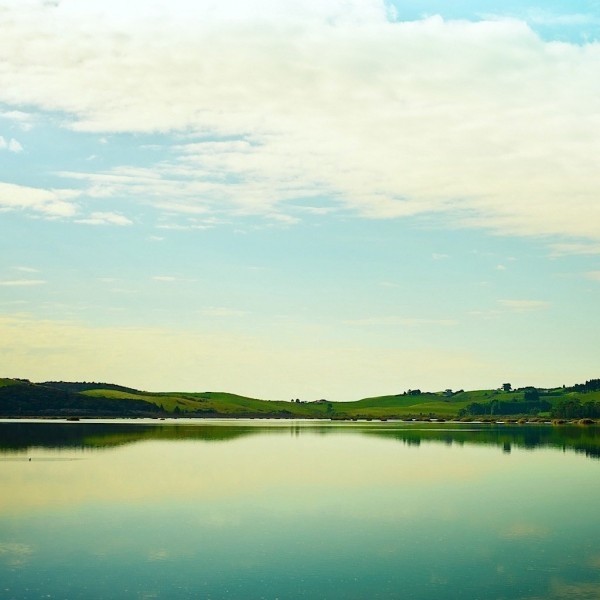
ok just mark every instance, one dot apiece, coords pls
pixel 575 248
pixel 524 305
pixel 594 275
pixel 401 322
pixel 24 121
pixel 106 218
pixel 21 282
pixel 223 311
pixel 546 17
pixel 390 284
pixel 172 279
pixel 47 202
pixel 11 145
pixel 509 306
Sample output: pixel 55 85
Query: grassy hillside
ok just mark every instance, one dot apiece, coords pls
pixel 217 404
pixel 5 382
pixel 20 397
pixel 23 398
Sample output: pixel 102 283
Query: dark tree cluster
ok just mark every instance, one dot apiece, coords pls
pixel 41 400
pixel 530 404
pixel 592 385
pixel 575 409
pixel 502 407
pixel 531 394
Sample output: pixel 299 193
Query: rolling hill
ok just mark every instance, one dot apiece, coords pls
pixel 21 398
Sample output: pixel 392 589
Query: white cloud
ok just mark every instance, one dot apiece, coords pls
pixel 24 121
pixel 222 311
pixel 183 12
pixel 524 305
pixel 544 17
pixel 11 145
pixel 401 322
pixel 594 275
pixel 14 146
pixel 24 269
pixel 106 218
pixel 50 203
pixel 483 121
pixel 21 282
pixel 581 248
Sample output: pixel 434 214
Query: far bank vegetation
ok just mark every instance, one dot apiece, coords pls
pixel 22 398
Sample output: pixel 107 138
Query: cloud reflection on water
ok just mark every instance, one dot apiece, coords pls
pixel 286 463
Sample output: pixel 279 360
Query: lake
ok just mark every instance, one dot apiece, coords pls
pixel 298 509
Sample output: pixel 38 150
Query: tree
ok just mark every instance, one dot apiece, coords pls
pixel 531 395
pixel 507 387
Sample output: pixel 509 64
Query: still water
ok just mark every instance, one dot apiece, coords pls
pixel 264 509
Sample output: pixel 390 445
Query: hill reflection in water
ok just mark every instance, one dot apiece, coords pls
pixel 17 436
pixel 297 509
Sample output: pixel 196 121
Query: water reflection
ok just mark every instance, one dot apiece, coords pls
pixel 297 510
pixel 21 435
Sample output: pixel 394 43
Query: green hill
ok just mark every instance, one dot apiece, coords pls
pixel 20 397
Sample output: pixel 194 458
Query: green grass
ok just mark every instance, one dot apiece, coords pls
pixel 427 404
pixel 226 404
pixel 218 403
pixel 402 405
pixel 5 382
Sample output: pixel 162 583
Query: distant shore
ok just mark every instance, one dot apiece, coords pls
pixel 578 404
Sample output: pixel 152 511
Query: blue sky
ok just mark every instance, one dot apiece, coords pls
pixel 320 199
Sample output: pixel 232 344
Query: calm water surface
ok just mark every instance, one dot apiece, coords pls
pixel 256 509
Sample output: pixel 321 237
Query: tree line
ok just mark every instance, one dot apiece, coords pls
pixel 575 409
pixel 593 385
pixel 505 407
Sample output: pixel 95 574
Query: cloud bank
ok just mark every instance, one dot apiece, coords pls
pixel 269 108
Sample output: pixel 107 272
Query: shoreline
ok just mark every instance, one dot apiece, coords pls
pixel 170 419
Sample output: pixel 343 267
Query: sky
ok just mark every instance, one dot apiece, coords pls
pixel 319 199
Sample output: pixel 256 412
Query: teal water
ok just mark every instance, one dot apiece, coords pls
pixel 255 509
